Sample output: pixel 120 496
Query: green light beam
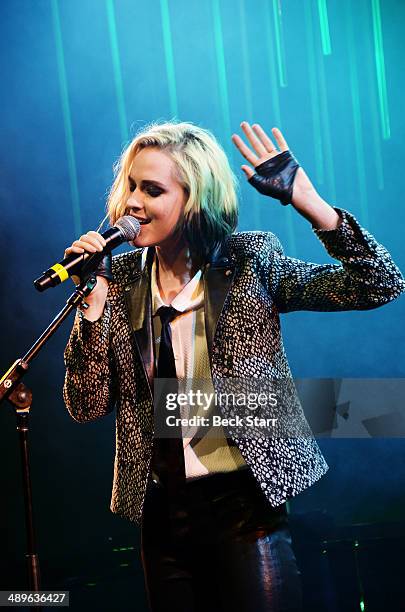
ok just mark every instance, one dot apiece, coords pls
pixel 323 110
pixel 257 204
pixel 245 61
pixel 324 25
pixel 274 93
pixel 356 110
pixel 314 97
pixel 278 29
pixel 373 106
pixel 222 79
pixel 276 63
pixel 380 70
pixel 169 59
pixel 63 87
pixel 119 88
pixel 325 127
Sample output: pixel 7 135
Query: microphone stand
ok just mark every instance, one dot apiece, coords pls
pixel 20 397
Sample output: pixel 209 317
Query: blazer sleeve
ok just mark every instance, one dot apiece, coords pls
pixel 90 388
pixel 365 278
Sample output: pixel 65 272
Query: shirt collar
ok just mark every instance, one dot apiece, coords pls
pixel 190 297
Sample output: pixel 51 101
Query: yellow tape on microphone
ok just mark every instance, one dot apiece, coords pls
pixel 60 271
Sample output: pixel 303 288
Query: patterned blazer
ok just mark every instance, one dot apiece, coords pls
pixel 110 362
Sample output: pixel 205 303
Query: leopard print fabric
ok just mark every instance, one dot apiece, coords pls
pixel 104 369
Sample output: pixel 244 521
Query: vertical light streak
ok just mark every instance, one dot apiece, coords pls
pixel 256 200
pixel 357 135
pixel 63 87
pixel 324 25
pixel 169 59
pixel 372 103
pixel 119 89
pixel 327 140
pixel 323 111
pixel 314 97
pixel 276 66
pixel 278 29
pixel 275 97
pixel 221 71
pixel 380 69
pixel 245 61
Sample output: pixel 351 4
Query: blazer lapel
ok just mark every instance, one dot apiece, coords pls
pixel 139 304
pixel 218 276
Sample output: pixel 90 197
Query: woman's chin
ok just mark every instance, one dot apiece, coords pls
pixel 141 242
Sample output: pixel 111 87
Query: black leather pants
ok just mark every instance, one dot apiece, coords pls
pixel 219 546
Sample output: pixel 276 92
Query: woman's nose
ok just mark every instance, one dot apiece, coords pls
pixel 134 202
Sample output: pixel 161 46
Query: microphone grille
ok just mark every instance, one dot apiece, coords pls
pixel 129 227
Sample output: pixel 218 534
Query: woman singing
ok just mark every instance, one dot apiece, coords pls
pixel 196 300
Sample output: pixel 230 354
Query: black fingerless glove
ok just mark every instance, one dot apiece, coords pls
pixel 103 269
pixel 275 177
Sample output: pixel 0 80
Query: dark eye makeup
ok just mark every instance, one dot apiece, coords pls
pixel 148 186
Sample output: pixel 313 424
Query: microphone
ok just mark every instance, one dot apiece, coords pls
pixel 126 229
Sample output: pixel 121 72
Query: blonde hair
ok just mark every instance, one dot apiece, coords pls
pixel 211 210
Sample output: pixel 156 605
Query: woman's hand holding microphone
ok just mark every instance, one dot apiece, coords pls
pixel 93 242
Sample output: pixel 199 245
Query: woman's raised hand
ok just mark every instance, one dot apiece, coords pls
pixel 275 171
pixel 263 146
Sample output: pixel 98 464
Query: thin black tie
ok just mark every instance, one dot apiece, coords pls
pixel 168 456
pixel 166 364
